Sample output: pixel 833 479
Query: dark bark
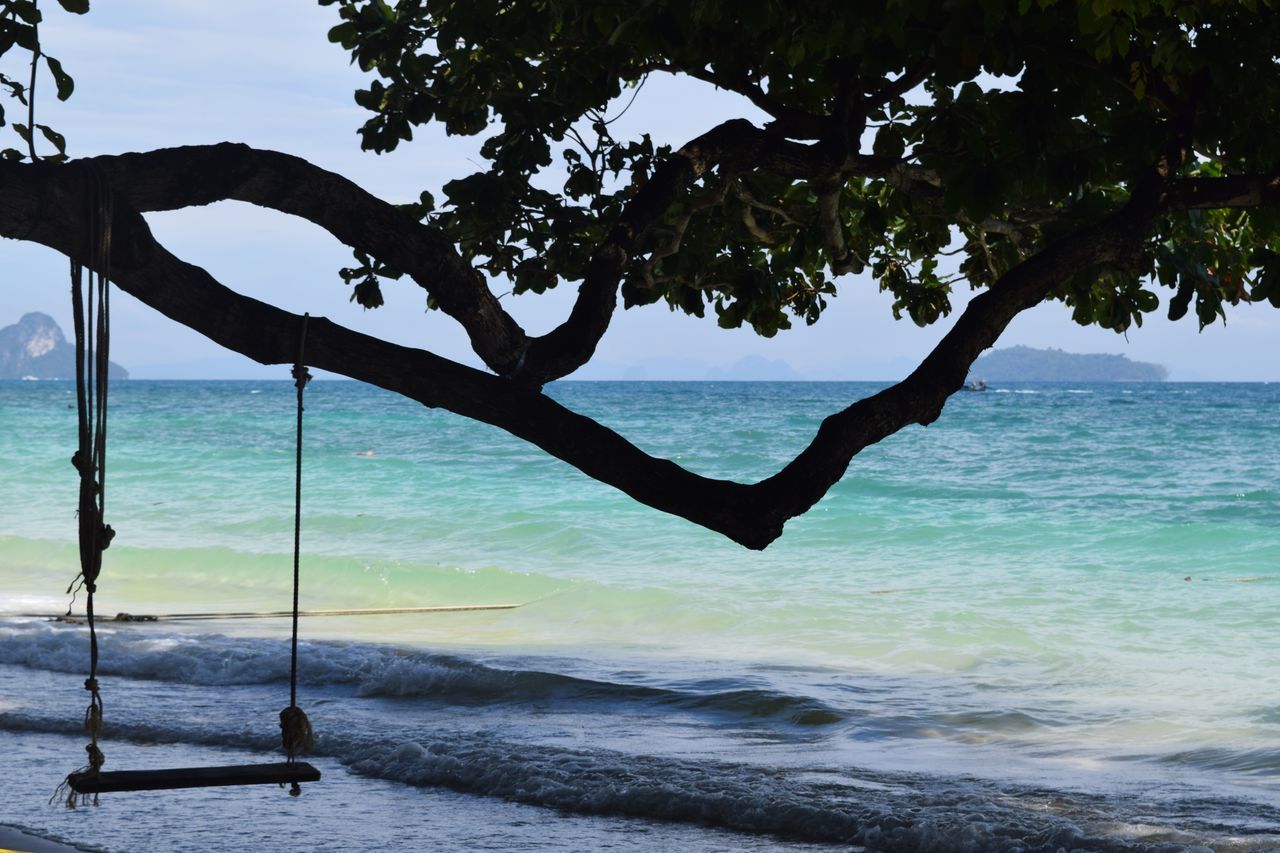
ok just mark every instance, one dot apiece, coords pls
pixel 175 178
pixel 1229 191
pixel 44 204
pixel 734 144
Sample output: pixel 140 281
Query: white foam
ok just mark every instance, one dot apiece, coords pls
pixel 505 753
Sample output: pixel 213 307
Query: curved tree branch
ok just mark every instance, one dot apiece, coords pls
pixel 44 203
pixel 789 121
pixel 173 178
pixel 840 258
pixel 1230 191
pixel 735 144
pixel 908 80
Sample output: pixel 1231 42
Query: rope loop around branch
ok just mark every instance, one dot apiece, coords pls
pixel 92 315
pixel 301 376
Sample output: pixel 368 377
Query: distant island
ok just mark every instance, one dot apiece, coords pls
pixel 1027 364
pixel 35 348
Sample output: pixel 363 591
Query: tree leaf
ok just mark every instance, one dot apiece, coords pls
pixel 56 139
pixel 26 11
pixel 63 80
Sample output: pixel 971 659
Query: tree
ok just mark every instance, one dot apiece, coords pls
pixel 1089 153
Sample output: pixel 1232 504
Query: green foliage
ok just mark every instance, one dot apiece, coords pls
pixel 1017 123
pixel 20 28
pixel 1031 120
pixel 365 288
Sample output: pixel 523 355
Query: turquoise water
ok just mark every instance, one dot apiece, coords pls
pixel 1046 621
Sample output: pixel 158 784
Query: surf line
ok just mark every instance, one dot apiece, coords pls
pixel 272 614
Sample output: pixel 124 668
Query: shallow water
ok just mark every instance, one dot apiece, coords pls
pixel 983 638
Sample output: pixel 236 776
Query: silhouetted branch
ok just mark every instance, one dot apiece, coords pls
pixel 44 204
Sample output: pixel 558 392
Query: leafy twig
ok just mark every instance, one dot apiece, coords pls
pixel 31 93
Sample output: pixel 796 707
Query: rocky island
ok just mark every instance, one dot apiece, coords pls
pixel 35 348
pixel 1028 364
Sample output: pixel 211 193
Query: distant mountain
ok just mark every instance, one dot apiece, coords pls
pixel 1027 364
pixel 755 368
pixel 35 348
pixel 752 368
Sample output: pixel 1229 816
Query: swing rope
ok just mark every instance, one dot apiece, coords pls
pixel 92 343
pixel 295 728
pixel 92 334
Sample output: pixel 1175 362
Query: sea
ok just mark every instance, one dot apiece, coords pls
pixel 1048 621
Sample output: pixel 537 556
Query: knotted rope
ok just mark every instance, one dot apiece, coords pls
pixel 295 732
pixel 295 728
pixel 93 344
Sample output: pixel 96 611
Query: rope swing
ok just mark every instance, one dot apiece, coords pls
pixel 92 334
pixel 295 728
pixel 93 344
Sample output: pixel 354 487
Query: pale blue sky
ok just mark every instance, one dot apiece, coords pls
pixel 154 73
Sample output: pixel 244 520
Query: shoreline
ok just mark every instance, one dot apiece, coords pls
pixel 14 840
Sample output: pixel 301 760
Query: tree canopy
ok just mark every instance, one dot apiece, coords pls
pixel 1117 156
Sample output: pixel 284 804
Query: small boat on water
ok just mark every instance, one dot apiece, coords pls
pixel 975 385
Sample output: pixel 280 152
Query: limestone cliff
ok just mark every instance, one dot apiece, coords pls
pixel 35 348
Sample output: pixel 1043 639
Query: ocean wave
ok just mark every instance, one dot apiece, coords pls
pixel 371 671
pixel 880 811
pixel 219 692
pixel 801 710
pixel 144 654
pixel 1252 762
pixel 897 813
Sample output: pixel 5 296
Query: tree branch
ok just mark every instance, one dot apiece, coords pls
pixel 189 176
pixel 44 203
pixel 789 121
pixel 174 178
pixel 1230 191
pixel 840 258
pixel 910 78
pixel 570 345
pixel 735 146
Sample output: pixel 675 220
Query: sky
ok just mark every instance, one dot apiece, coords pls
pixel 154 73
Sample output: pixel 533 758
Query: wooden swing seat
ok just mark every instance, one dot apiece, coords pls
pixel 281 773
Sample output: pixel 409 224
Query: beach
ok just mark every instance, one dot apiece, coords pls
pixel 1044 622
